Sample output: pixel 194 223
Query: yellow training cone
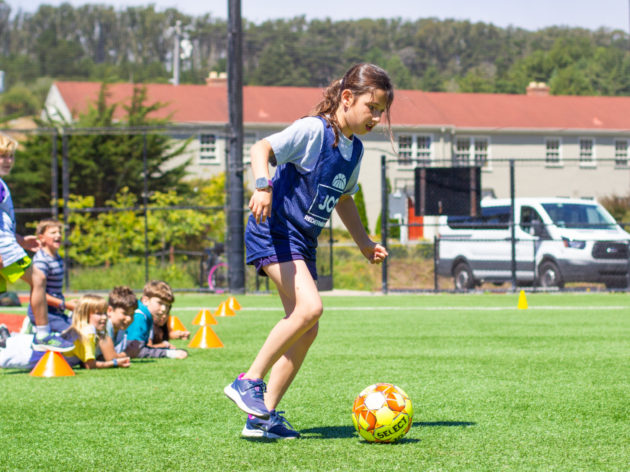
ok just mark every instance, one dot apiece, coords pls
pixel 53 364
pixel 175 324
pixel 522 301
pixel 233 304
pixel 224 310
pixel 205 338
pixel 204 317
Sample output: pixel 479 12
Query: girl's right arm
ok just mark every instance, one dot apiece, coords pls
pixel 260 203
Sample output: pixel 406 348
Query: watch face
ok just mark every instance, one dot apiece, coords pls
pixel 262 182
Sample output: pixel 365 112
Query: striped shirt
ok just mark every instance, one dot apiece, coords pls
pixel 52 267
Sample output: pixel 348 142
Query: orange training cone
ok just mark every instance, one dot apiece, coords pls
pixel 522 301
pixel 205 338
pixel 53 364
pixel 233 304
pixel 175 324
pixel 204 317
pixel 224 310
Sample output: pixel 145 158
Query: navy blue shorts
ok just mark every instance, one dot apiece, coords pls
pixel 265 261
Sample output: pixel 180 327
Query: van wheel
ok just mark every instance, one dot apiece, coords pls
pixel 463 277
pixel 550 276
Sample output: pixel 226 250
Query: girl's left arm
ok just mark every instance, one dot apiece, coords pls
pixel 347 211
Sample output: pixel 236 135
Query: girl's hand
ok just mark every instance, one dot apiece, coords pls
pixel 374 252
pixel 260 204
pixel 124 362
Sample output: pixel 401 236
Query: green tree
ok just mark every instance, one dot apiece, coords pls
pixel 101 164
pixel 359 201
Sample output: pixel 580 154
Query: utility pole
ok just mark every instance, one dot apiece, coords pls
pixel 235 197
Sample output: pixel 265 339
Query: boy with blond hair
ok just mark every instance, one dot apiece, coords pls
pixel 50 263
pixel 16 264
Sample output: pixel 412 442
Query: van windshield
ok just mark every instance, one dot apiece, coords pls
pixel 579 215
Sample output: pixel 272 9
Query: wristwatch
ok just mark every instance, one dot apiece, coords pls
pixel 263 183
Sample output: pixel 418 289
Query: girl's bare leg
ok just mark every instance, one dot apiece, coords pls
pixel 288 342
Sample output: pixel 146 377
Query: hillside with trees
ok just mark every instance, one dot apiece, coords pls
pixel 99 43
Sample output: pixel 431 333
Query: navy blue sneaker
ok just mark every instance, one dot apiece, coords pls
pixel 52 342
pixel 249 396
pixel 276 427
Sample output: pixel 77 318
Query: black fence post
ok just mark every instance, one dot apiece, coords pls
pixel 235 223
pixel 54 177
pixel 384 221
pixel 436 249
pixel 513 223
pixel 145 204
pixel 65 191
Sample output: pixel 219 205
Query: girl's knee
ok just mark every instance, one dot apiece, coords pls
pixel 311 313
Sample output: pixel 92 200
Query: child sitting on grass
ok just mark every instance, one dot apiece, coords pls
pixel 88 327
pixel 153 309
pixel 50 263
pixel 121 305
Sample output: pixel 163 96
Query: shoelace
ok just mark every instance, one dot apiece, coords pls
pixel 259 390
pixel 279 419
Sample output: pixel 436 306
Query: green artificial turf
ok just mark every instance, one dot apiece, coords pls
pixel 493 388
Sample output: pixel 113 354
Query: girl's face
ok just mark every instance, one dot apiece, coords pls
pixel 359 114
pixel 98 320
pixel 6 163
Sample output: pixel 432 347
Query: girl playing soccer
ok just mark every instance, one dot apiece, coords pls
pixel 318 160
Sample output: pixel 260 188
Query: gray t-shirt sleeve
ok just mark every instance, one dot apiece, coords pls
pixel 300 143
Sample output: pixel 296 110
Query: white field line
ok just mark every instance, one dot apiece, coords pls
pixel 434 308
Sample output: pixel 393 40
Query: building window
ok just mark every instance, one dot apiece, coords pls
pixel 621 152
pixel 413 149
pixel 423 150
pixel 481 152
pixel 405 149
pixel 552 151
pixel 471 151
pixel 208 149
pixel 587 151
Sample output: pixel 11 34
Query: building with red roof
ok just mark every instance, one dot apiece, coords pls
pixel 562 145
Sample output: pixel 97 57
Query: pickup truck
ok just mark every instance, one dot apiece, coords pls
pixel 557 240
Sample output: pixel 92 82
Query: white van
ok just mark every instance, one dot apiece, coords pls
pixel 558 240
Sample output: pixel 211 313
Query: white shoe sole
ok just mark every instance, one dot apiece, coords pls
pixel 233 395
pixel 259 433
pixel 45 347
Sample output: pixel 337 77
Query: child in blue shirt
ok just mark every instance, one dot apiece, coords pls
pixel 155 304
pixel 121 305
pixel 318 160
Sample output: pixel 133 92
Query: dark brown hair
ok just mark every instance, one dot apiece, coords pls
pixel 359 79
pixel 122 297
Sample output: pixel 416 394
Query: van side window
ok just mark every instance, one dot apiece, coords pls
pixel 493 217
pixel 531 222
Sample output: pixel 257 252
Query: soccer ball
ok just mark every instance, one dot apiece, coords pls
pixel 382 413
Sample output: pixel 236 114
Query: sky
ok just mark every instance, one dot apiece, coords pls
pixel 528 14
